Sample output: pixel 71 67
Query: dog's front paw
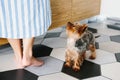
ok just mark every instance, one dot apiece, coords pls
pixel 67 64
pixel 76 68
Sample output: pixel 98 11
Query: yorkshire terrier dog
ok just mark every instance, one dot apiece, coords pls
pixel 78 42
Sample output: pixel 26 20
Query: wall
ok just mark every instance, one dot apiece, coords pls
pixel 110 8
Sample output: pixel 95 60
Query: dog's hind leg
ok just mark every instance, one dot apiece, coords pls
pixel 83 57
pixel 93 51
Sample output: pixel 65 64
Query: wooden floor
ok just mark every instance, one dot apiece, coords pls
pixel 3 41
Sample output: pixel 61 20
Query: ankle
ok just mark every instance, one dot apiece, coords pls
pixel 27 53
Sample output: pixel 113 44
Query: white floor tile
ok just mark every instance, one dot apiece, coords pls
pixel 85 21
pixel 102 57
pixel 38 41
pixel 58 53
pixel 57 76
pixel 55 42
pixel 109 32
pixel 102 38
pixel 103 29
pixel 51 65
pixel 110 46
pixel 7 62
pixel 111 71
pixel 97 25
pixel 63 35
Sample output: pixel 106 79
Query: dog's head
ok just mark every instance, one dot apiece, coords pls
pixel 75 30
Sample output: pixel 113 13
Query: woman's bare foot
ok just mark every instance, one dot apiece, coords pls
pixel 28 59
pixel 36 62
pixel 20 66
pixel 32 62
pixel 19 63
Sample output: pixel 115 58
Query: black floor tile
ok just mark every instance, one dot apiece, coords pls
pixel 92 30
pixel 117 55
pixel 41 50
pixel 115 38
pixel 97 45
pixel 4 46
pixel 51 35
pixel 114 26
pixel 20 74
pixel 88 69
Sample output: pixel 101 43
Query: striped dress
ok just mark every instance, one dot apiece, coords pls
pixel 24 18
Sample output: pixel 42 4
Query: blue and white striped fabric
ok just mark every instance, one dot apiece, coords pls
pixel 24 18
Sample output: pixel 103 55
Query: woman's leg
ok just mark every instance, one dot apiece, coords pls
pixel 17 48
pixel 28 59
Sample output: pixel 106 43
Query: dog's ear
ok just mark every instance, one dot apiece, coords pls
pixel 84 27
pixel 69 24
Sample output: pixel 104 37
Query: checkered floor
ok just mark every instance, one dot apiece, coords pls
pixel 50 47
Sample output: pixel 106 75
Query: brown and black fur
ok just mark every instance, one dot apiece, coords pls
pixel 78 42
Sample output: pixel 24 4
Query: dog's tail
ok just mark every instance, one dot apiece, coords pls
pixel 97 36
